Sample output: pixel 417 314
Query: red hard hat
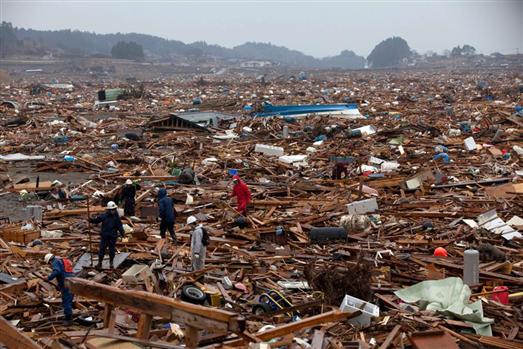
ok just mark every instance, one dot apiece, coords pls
pixel 440 252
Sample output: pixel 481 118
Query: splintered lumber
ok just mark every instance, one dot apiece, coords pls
pixel 500 343
pixel 317 339
pixel 150 178
pixel 146 343
pixel 514 280
pixel 157 305
pixel 390 337
pixel 144 326
pixel 466 183
pixel 12 338
pixel 73 212
pixel 293 327
pixel 31 186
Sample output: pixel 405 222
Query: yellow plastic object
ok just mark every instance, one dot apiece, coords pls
pixel 215 299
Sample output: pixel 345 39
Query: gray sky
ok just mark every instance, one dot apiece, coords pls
pixel 318 28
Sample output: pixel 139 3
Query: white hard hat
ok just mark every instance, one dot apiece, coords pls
pixel 48 257
pixel 128 182
pixel 56 183
pixel 111 205
pixel 191 220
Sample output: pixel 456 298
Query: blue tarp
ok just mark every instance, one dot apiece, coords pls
pixel 285 110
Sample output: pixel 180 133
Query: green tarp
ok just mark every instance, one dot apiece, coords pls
pixel 450 297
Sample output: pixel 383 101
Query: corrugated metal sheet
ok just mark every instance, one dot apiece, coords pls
pixel 296 110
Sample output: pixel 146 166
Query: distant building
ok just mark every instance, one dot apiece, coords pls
pixel 255 64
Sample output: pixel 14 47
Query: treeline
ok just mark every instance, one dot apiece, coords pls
pixel 392 52
pixel 20 40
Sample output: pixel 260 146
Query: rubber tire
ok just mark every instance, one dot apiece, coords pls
pixel 193 294
pixel 324 234
pixel 261 308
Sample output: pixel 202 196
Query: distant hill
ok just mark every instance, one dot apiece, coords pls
pixel 19 40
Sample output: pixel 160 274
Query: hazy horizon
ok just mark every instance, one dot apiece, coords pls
pixel 315 28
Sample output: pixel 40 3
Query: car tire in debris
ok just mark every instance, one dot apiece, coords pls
pixel 193 294
pixel 261 308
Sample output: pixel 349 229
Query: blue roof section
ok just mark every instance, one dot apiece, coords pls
pixel 285 110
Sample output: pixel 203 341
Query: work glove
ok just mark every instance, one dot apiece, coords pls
pixel 196 255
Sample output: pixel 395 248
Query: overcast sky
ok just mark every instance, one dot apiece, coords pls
pixel 318 28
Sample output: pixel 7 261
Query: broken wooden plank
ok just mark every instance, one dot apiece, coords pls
pixel 12 338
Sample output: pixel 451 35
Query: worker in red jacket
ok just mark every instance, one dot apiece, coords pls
pixel 242 193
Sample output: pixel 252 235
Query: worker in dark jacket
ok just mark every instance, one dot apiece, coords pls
pixel 128 196
pixel 167 214
pixel 62 269
pixel 111 226
pixel 339 169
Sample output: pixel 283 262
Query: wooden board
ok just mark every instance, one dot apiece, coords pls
pixel 12 338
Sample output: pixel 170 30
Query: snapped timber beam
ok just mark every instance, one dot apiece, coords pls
pixel 156 305
pixel 293 327
pixel 12 338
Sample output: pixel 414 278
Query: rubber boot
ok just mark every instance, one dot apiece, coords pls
pixel 99 265
pixel 68 321
pixel 111 265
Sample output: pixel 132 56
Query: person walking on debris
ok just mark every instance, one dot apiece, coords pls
pixel 242 193
pixel 111 226
pixel 58 191
pixel 339 169
pixel 62 269
pixel 128 195
pixel 167 214
pixel 199 242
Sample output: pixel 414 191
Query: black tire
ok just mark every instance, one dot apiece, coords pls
pixel 261 308
pixel 324 234
pixel 193 294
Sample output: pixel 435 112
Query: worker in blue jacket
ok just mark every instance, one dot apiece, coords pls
pixel 167 214
pixel 62 269
pixel 111 226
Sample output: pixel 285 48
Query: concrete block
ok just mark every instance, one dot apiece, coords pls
pixel 135 273
pixel 363 206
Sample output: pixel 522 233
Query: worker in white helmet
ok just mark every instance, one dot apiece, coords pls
pixel 199 242
pixel 62 269
pixel 111 226
pixel 128 194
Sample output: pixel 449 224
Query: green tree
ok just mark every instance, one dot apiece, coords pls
pixel 127 50
pixel 456 51
pixel 468 50
pixel 8 41
pixel 389 53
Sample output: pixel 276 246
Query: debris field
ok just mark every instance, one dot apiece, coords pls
pixel 338 246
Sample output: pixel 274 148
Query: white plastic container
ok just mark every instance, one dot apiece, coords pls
pixel 470 144
pixel 289 159
pixel 268 150
pixel 368 310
